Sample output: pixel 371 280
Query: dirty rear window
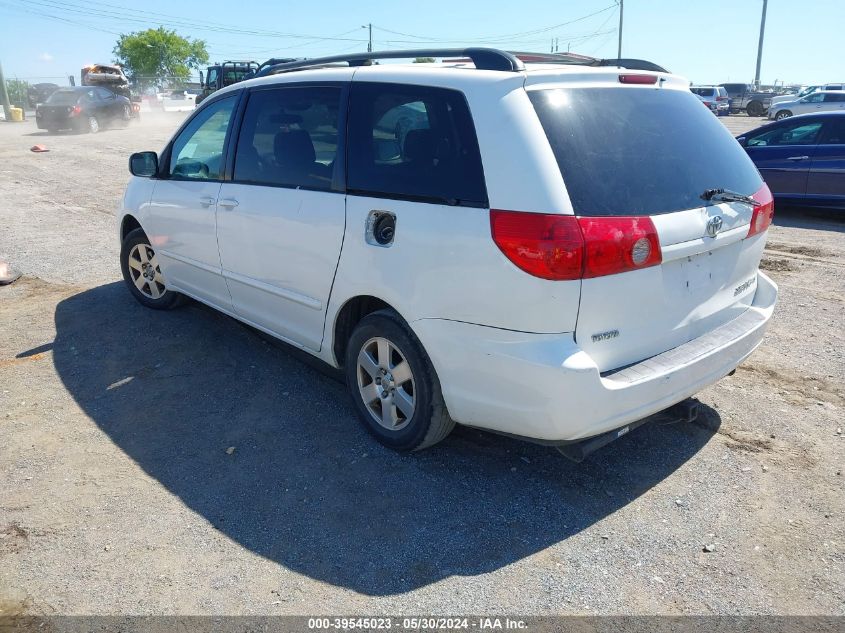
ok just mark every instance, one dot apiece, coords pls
pixel 64 97
pixel 640 151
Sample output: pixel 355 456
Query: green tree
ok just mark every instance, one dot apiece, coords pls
pixel 424 60
pixel 17 88
pixel 148 57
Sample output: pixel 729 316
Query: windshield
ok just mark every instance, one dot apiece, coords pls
pixel 64 97
pixel 639 151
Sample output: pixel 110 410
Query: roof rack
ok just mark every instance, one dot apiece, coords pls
pixel 483 58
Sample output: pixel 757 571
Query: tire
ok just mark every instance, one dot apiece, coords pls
pixel 755 108
pixel 93 125
pixel 126 116
pixel 370 376
pixel 783 114
pixel 147 287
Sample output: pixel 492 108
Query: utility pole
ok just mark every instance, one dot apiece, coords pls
pixel 370 43
pixel 621 12
pixel 760 45
pixel 4 97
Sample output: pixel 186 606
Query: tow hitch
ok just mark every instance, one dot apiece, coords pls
pixel 685 411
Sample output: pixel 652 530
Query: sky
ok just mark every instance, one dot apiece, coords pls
pixel 707 41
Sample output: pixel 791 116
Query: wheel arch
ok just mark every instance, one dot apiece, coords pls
pixel 128 224
pixel 348 316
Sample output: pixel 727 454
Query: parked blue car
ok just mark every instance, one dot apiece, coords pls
pixel 802 158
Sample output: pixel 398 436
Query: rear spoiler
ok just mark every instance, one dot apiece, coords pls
pixel 631 64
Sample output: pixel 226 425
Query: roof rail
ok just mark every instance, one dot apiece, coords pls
pixel 483 58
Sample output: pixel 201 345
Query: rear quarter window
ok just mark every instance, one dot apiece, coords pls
pixel 639 151
pixel 414 142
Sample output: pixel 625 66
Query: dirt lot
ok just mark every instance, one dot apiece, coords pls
pixel 118 495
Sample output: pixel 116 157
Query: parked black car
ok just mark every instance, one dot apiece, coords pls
pixel 84 108
pixel 802 158
pixel 39 93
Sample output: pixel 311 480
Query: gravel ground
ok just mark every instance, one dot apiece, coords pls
pixel 118 494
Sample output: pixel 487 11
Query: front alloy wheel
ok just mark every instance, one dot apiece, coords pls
pixel 783 114
pixel 142 273
pixel 145 271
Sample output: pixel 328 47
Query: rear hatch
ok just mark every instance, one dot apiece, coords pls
pixel 651 152
pixel 59 106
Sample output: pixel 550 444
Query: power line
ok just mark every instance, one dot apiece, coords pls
pixel 498 38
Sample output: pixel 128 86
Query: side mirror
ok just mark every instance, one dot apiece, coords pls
pixel 143 164
pixel 742 141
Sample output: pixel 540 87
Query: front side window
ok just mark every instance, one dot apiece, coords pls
pixel 813 98
pixel 789 134
pixel 289 137
pixel 197 153
pixel 211 80
pixel 414 142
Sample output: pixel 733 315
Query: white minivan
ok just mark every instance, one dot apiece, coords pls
pixel 554 250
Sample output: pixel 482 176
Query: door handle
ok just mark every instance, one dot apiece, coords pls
pixel 207 201
pixel 798 158
pixel 227 203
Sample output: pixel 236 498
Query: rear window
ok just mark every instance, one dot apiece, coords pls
pixel 64 97
pixel 702 92
pixel 640 151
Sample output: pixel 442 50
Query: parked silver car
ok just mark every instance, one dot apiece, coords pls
pixel 822 101
pixel 714 97
pixel 807 91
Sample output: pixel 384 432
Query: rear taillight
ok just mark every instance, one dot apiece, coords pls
pixel 75 110
pixel 763 214
pixel 638 79
pixel 546 246
pixel 619 244
pixel 565 247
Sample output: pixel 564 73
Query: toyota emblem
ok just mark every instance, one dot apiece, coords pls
pixel 714 225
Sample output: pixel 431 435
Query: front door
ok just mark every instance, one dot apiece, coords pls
pixel 783 154
pixel 281 218
pixel 182 223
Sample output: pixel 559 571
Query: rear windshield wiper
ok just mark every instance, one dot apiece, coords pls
pixel 726 195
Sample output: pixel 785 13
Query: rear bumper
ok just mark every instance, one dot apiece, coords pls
pixel 544 387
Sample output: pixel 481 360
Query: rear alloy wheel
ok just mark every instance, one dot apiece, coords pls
pixel 142 273
pixel 783 114
pixel 93 125
pixel 393 384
